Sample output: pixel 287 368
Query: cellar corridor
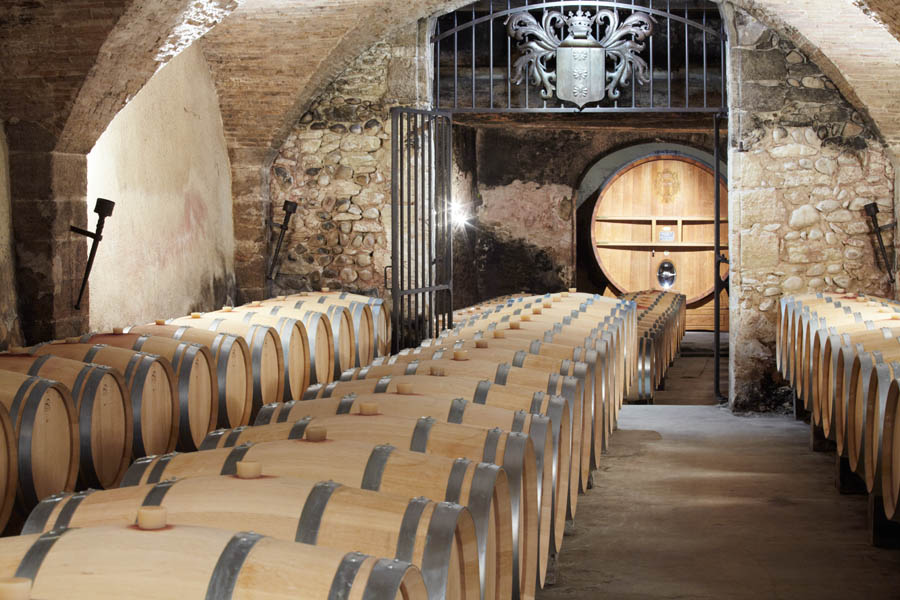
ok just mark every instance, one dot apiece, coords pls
pixel 695 502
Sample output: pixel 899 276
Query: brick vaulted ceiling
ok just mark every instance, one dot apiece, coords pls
pixel 68 66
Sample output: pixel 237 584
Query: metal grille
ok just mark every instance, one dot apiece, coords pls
pixel 474 59
pixel 421 235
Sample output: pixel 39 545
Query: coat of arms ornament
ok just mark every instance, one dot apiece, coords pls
pixel 580 76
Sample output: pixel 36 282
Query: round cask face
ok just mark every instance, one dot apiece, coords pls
pixel 51 439
pixel 200 393
pixel 236 383
pixel 109 430
pixel 157 414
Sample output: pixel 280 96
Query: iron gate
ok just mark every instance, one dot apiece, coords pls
pixel 421 234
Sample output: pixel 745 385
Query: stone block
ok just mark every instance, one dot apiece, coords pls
pixel 759 249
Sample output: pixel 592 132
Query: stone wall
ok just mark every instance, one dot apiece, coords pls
pixel 168 248
pixel 802 164
pixel 336 164
pixel 10 333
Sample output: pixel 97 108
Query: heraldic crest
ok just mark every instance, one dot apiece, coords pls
pixel 580 76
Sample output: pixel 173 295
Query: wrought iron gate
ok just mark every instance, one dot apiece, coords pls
pixel 421 222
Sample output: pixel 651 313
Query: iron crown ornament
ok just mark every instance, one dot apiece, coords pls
pixel 580 76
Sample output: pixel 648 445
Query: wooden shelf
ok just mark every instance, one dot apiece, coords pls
pixel 646 219
pixel 660 245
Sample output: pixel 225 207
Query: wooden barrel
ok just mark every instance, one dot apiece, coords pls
pixel 516 354
pixel 576 333
pixel 196 399
pixel 46 432
pixel 266 355
pixel 890 452
pixel 381 314
pixel 124 561
pixel 564 475
pixel 573 389
pixel 827 371
pixel 294 346
pixel 105 421
pixel 481 487
pixel 364 327
pixel 231 355
pixel 11 487
pixel 151 387
pixel 537 353
pixel 439 538
pixel 320 341
pixel 874 403
pixel 512 451
pixel 342 334
pixel 457 410
pixel 653 226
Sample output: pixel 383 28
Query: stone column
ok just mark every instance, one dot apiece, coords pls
pixel 48 195
pixel 252 207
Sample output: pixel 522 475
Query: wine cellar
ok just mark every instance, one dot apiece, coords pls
pixel 449 300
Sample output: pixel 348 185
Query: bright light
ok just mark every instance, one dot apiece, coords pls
pixel 458 215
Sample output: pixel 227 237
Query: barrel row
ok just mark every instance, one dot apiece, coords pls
pixel 841 355
pixel 661 325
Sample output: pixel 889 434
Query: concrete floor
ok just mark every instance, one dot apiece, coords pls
pixel 693 502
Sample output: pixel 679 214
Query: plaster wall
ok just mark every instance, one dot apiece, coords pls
pixel 9 316
pixel 168 248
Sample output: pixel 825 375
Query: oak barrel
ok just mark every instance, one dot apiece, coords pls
pixel 481 487
pixel 457 410
pixel 105 421
pixel 196 392
pixel 46 432
pixel 294 346
pixel 124 561
pixel 439 538
pixel 565 477
pixel 513 451
pixel 151 388
pixel 266 355
pixel 234 369
pixel 381 313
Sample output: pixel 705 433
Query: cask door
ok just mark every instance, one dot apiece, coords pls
pixel 653 228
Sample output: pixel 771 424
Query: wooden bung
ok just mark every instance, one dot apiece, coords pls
pixel 481 344
pixel 526 317
pixel 573 290
pixel 227 308
pixel 438 372
pixel 368 409
pixel 316 433
pixel 118 330
pixel 15 588
pixel 196 315
pixel 537 310
pixel 326 290
pixel 515 325
pixel 160 322
pixel 548 304
pixel 498 334
pixel 248 469
pixel 460 355
pixel 151 518
pixel 405 388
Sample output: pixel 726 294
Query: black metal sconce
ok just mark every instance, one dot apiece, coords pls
pixel 104 209
pixel 872 211
pixel 289 209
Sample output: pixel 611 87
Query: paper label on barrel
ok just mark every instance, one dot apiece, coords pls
pixel 667 236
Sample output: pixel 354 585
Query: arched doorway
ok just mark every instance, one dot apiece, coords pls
pixel 650 225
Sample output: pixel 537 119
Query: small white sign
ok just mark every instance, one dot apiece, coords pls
pixel 667 235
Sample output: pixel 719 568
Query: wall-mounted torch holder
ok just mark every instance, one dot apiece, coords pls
pixel 289 209
pixel 872 211
pixel 104 209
